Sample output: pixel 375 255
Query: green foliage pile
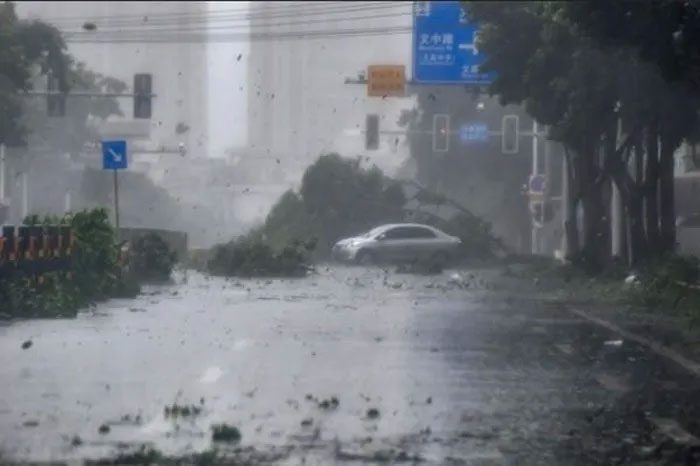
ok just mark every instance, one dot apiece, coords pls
pixel 478 241
pixel 250 256
pixel 671 283
pixel 152 260
pixel 341 198
pixel 225 433
pixel 95 272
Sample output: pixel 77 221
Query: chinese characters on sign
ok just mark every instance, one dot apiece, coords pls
pixel 437 49
pixel 474 133
pixel 386 80
pixel 444 45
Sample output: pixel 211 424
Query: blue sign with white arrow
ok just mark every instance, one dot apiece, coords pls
pixel 444 45
pixel 114 155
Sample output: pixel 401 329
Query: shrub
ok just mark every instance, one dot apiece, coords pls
pixel 225 433
pixel 250 256
pixel 94 266
pixel 669 280
pixel 151 259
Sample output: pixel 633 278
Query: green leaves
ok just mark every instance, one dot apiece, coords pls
pixel 23 45
pixel 152 260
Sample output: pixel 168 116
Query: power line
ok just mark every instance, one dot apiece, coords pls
pixel 245 37
pixel 280 6
pixel 145 20
pixel 102 34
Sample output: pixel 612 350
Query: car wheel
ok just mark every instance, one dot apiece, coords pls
pixel 440 258
pixel 365 257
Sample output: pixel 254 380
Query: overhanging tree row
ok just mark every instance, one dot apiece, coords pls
pixel 620 114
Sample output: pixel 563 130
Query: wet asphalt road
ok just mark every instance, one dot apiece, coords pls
pixel 460 372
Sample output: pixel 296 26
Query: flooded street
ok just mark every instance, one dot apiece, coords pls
pixel 350 366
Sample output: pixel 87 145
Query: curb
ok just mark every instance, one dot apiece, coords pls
pixel 658 348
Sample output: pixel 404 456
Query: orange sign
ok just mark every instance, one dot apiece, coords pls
pixel 386 80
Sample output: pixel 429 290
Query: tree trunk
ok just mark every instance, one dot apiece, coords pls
pixel 635 229
pixel 595 244
pixel 651 191
pixel 667 196
pixel 570 201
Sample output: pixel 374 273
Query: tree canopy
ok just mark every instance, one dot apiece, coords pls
pixel 27 49
pixel 574 71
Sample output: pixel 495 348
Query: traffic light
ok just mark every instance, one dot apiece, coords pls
pixel 511 134
pixel 55 101
pixel 372 132
pixel 441 133
pixel 142 98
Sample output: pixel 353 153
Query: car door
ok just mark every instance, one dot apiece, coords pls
pixel 393 243
pixel 424 242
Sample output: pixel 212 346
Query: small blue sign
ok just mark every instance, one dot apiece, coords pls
pixel 444 45
pixel 474 133
pixel 114 155
pixel 537 184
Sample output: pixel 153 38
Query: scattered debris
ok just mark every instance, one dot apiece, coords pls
pixel 613 343
pixel 103 429
pixel 27 344
pixel 225 433
pixel 181 411
pixel 308 422
pixel 372 413
pixel 333 403
pixel 31 423
pixel 76 441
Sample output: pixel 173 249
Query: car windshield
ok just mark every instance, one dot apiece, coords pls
pixel 186 274
pixel 372 233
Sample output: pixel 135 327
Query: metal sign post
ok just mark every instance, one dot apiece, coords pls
pixel 114 158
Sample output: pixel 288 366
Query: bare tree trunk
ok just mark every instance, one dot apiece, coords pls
pixel 636 237
pixel 635 224
pixel 570 206
pixel 595 245
pixel 667 196
pixel 651 191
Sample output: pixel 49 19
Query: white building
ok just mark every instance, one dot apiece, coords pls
pixel 298 103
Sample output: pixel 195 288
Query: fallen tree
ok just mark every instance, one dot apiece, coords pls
pixel 339 198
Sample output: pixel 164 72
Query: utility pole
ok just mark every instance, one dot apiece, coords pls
pixel 66 202
pixel 547 194
pixel 565 206
pixel 25 194
pixel 616 213
pixel 2 173
pixel 116 201
pixel 535 246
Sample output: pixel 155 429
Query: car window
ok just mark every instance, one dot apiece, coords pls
pixel 418 232
pixel 398 233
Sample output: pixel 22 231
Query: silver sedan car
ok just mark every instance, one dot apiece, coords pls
pixel 401 242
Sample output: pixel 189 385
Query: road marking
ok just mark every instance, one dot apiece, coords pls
pixel 565 348
pixel 672 429
pixel 211 375
pixel 687 364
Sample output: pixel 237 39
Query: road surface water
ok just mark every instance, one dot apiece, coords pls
pixel 444 369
